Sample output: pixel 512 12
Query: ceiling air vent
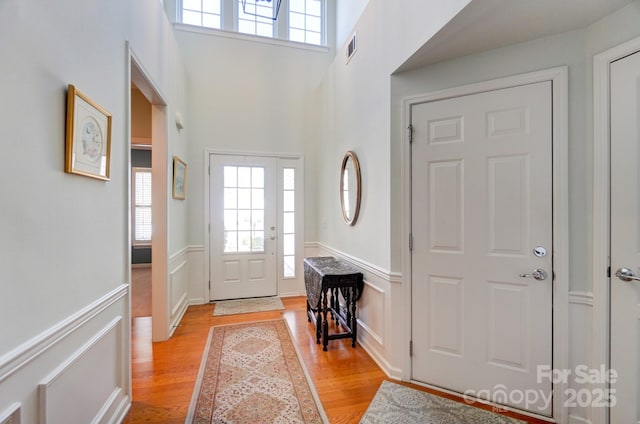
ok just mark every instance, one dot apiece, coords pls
pixel 352 47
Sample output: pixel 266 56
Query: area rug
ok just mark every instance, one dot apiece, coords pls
pixel 252 373
pixel 243 306
pixel 397 404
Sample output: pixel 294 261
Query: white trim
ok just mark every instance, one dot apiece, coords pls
pixel 116 401
pixel 601 198
pixel 249 37
pixel 11 415
pixel 559 78
pixel 22 355
pixel 581 298
pixel 392 277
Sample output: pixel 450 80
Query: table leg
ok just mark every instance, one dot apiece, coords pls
pixel 353 322
pixel 325 323
pixel 318 321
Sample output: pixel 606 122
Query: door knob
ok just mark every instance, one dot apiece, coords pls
pixel 625 274
pixel 538 273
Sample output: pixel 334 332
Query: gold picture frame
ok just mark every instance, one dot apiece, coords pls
pixel 88 137
pixel 179 178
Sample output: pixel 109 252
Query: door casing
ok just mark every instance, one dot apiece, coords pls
pixel 559 79
pixel 285 287
pixel 601 211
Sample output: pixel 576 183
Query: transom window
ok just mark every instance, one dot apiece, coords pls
pixel 298 20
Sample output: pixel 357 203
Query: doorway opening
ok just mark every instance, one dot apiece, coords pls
pixel 141 204
pixel 154 133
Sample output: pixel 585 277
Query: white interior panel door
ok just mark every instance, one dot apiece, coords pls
pixel 481 219
pixel 625 238
pixel 243 226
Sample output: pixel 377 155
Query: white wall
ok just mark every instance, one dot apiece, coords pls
pixel 250 96
pixel 64 243
pixel 356 115
pixel 347 15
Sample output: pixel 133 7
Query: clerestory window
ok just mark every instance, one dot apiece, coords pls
pixel 302 21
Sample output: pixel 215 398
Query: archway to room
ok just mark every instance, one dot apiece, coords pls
pixel 149 149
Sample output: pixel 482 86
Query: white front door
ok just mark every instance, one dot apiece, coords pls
pixel 243 226
pixel 481 176
pixel 625 238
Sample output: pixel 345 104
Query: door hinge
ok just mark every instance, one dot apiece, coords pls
pixel 608 272
pixel 209 170
pixel 209 228
pixel 209 284
pixel 410 133
pixel 410 347
pixel 410 241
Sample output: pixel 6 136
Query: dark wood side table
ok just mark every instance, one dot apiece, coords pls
pixel 325 278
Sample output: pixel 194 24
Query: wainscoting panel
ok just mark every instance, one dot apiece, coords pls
pixel 376 317
pixel 98 360
pixel 371 312
pixel 77 371
pixel 197 290
pixel 580 323
pixel 11 415
pixel 178 281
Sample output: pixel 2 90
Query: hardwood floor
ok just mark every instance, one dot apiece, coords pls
pixel 164 373
pixel 141 292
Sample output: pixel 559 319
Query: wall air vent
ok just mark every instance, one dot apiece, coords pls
pixel 352 47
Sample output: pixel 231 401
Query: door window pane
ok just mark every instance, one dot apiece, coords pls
pixel 257 242
pixel 288 220
pixel 289 244
pixel 230 220
pixel 243 209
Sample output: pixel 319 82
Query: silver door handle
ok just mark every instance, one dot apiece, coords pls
pixel 625 274
pixel 538 273
pixel 272 237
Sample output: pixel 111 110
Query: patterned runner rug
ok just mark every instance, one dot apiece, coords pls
pixel 252 373
pixel 397 404
pixel 243 306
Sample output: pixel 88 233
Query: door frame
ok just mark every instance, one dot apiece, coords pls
pixel 601 210
pixel 559 86
pixel 161 328
pixel 298 288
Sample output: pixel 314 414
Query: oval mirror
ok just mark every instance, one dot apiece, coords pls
pixel 350 187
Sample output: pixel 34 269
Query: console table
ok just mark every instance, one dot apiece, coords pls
pixel 325 278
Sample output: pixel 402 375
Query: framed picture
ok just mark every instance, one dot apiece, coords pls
pixel 88 144
pixel 179 178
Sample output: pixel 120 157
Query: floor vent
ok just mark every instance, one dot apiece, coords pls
pixel 352 47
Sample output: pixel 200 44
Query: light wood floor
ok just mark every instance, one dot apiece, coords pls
pixel 141 292
pixel 164 373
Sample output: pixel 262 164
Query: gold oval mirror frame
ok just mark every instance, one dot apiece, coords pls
pixel 350 189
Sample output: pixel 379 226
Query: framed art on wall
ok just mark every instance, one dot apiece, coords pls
pixel 179 178
pixel 88 138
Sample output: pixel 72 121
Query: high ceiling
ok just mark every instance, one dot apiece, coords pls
pixel 488 24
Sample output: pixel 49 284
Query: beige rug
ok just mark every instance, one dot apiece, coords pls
pixel 244 306
pixel 252 373
pixel 398 404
